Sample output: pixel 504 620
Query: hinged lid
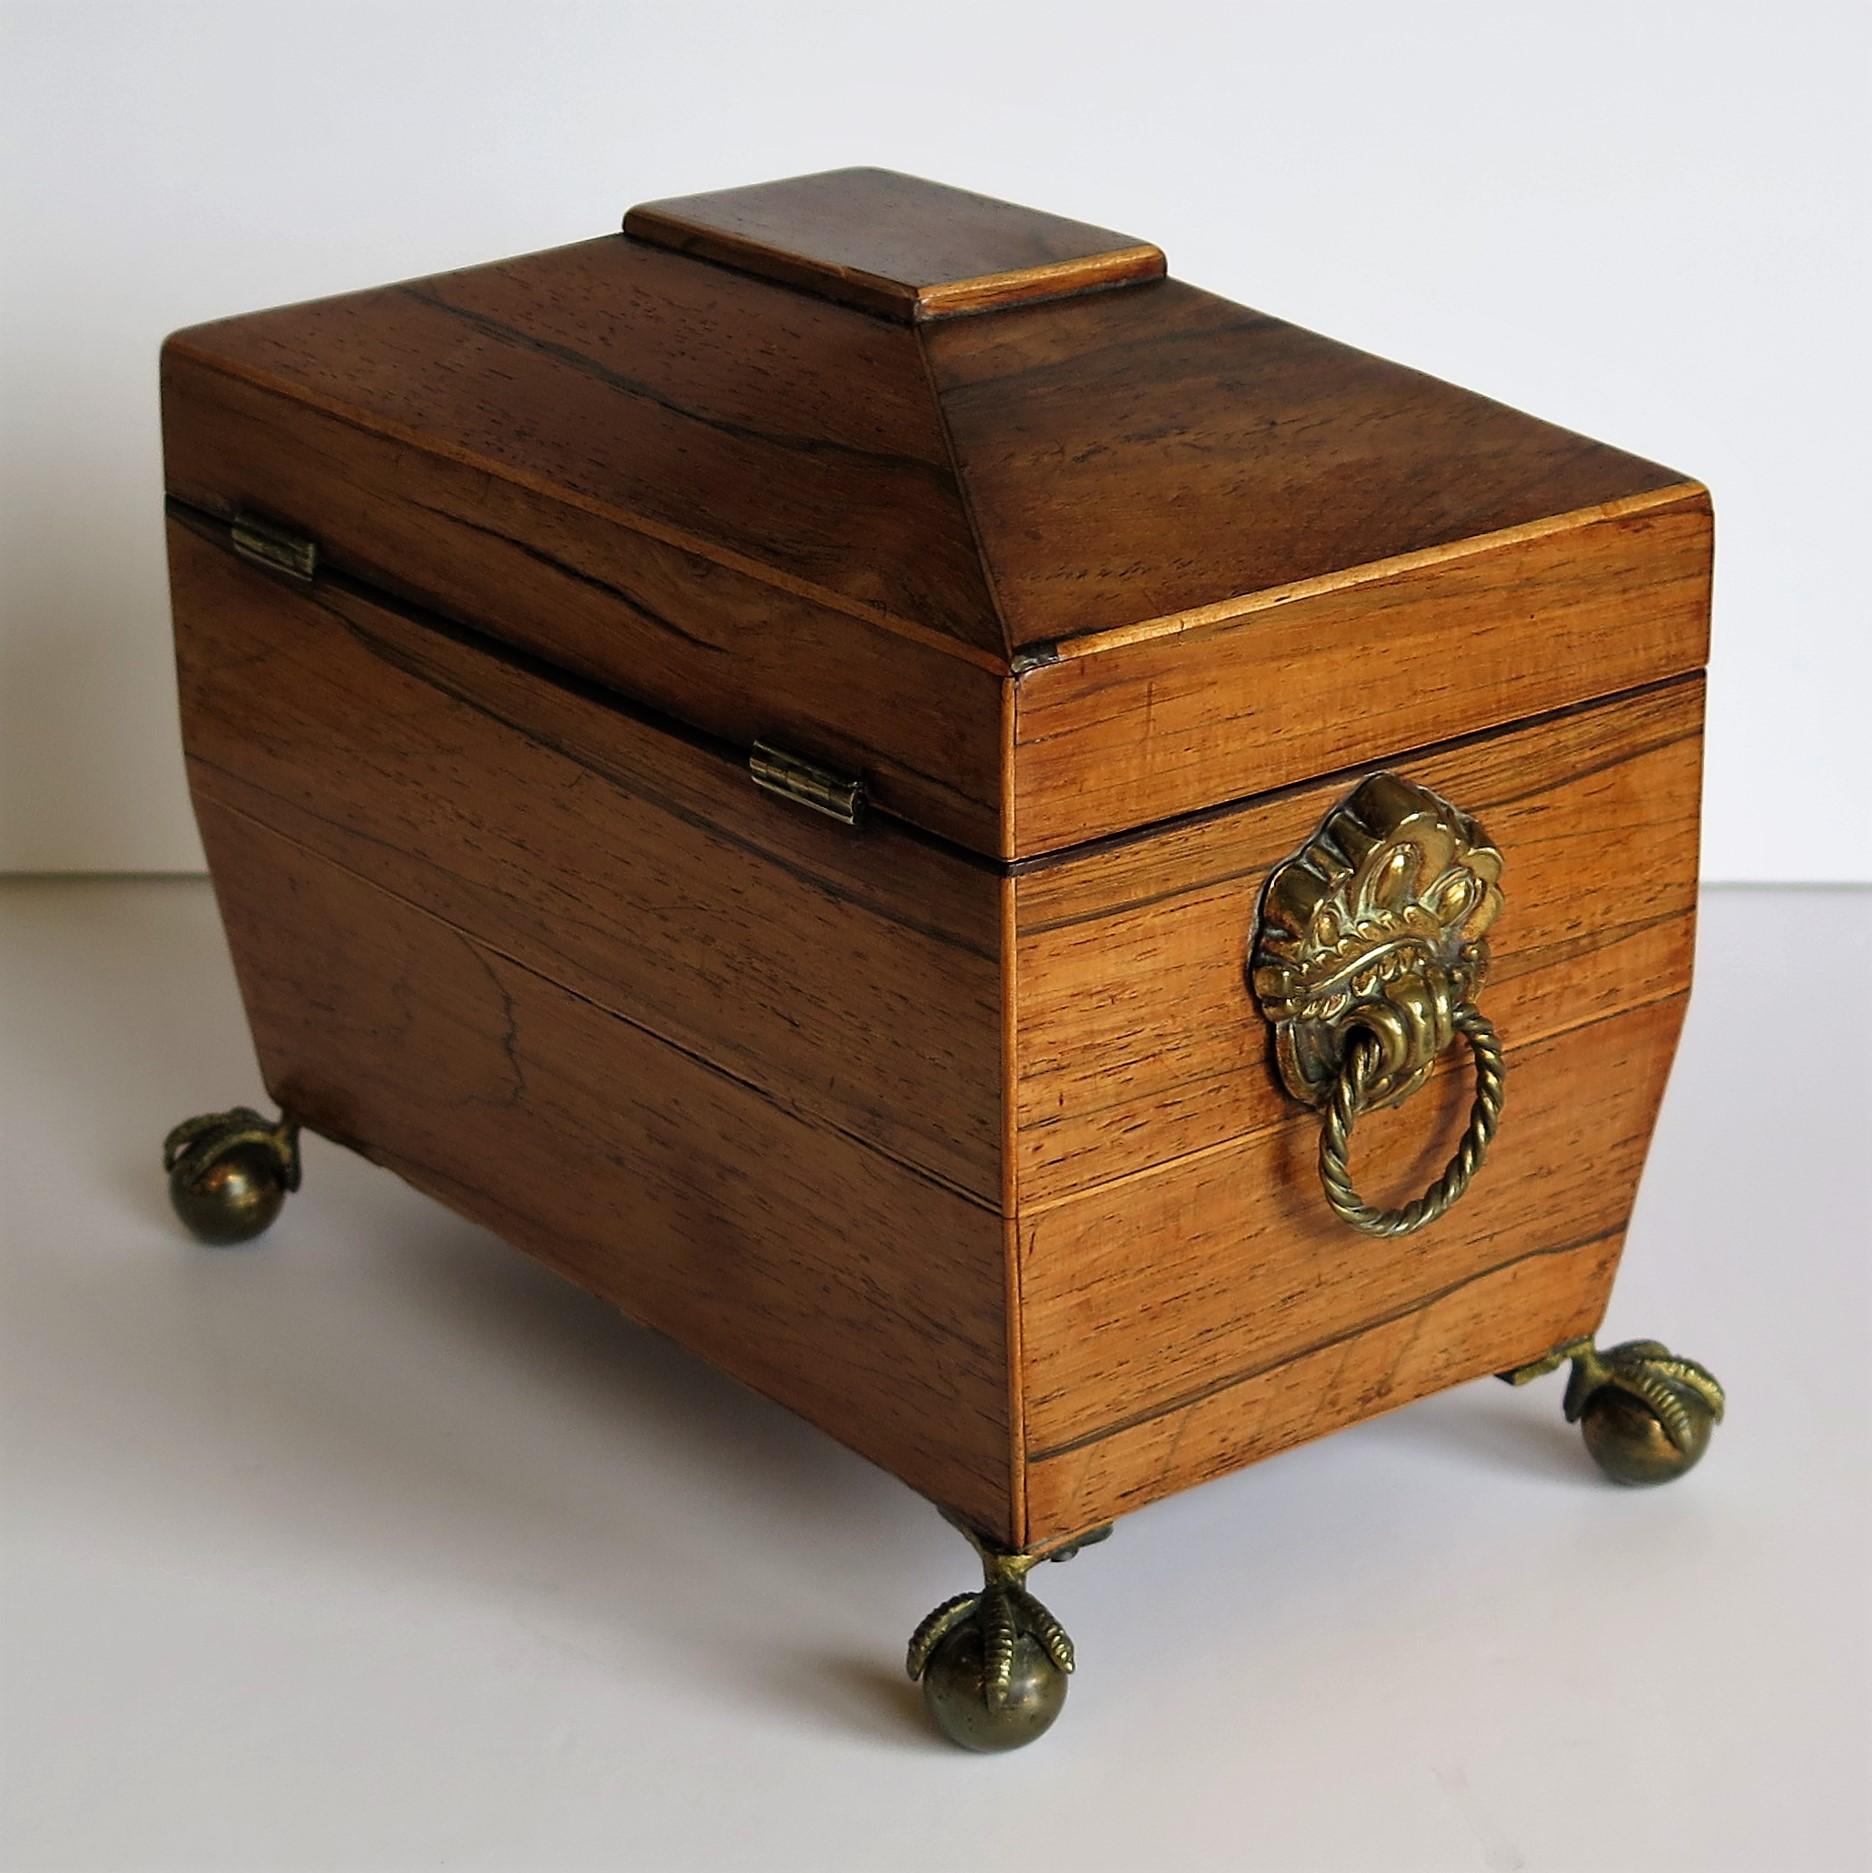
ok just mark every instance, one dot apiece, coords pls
pixel 963 498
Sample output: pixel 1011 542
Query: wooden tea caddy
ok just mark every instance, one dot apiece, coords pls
pixel 883 785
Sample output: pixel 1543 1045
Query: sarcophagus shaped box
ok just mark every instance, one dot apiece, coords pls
pixel 1075 882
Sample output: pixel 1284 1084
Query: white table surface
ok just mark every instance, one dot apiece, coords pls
pixel 376 1546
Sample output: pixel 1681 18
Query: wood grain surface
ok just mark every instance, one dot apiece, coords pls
pixel 738 656
pixel 852 977
pixel 1046 1083
pixel 1488 1323
pixel 1239 553
pixel 863 1295
pixel 764 428
pixel 1210 1311
pixel 1356 672
pixel 726 500
pixel 958 1134
pixel 1139 1039
pixel 894 244
pixel 1131 457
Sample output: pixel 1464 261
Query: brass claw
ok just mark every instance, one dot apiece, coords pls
pixel 994 1663
pixel 230 1172
pixel 1645 1413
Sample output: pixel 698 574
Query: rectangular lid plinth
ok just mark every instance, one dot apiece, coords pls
pixel 895 244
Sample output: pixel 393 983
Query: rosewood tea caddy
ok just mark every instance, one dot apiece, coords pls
pixel 1077 883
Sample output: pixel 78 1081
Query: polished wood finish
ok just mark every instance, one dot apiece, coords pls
pixel 737 656
pixel 853 978
pixel 894 244
pixel 759 428
pixel 1480 1324
pixel 866 1297
pixel 1139 1040
pixel 957 1133
pixel 1352 674
pixel 1041 573
pixel 653 471
pixel 1188 1302
pixel 1134 457
pixel 1150 1297
pixel 1048 1081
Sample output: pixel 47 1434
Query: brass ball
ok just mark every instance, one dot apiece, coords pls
pixel 957 1702
pixel 1629 1444
pixel 227 1196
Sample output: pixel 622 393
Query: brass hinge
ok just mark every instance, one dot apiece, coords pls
pixel 806 783
pixel 277 548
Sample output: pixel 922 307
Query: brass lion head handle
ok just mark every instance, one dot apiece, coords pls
pixel 1371 945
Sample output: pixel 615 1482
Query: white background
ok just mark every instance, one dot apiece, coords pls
pixel 1647 222
pixel 378 1548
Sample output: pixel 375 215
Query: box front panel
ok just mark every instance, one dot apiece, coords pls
pixel 1189 1301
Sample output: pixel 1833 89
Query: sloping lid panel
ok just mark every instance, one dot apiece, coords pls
pixel 1138 456
pixel 779 434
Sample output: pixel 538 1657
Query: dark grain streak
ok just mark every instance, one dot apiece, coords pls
pixel 633 387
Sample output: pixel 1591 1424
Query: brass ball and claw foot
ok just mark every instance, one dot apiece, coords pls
pixel 994 1664
pixel 230 1172
pixel 1646 1415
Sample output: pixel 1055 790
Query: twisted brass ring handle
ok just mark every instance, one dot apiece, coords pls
pixel 1360 1068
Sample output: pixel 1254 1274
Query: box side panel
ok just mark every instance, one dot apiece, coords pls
pixel 1183 1322
pixel 740 657
pixel 732 1067
pixel 1314 680
pixel 1189 1302
pixel 1140 1038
